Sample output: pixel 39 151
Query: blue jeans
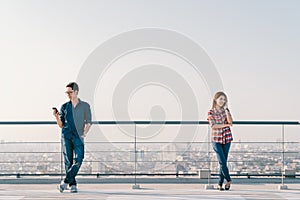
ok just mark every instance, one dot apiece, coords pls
pixel 73 151
pixel 222 151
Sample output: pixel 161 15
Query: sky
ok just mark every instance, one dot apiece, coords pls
pixel 44 45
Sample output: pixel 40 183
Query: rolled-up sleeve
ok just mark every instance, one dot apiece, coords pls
pixel 211 119
pixel 88 114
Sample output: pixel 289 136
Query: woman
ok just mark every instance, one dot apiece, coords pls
pixel 220 119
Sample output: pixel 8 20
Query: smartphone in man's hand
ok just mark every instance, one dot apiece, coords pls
pixel 55 110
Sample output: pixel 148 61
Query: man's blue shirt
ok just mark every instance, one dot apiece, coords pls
pixel 74 119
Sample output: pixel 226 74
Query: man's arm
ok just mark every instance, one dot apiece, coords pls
pixel 86 129
pixel 88 120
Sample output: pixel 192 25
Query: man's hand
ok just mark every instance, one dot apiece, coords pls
pixel 56 115
pixel 86 129
pixel 55 112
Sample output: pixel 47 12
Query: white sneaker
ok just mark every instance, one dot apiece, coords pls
pixel 62 186
pixel 74 189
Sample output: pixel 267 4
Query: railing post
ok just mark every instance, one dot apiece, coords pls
pixel 282 186
pixel 209 186
pixel 135 186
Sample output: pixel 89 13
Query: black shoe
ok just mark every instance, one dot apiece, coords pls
pixel 227 187
pixel 220 188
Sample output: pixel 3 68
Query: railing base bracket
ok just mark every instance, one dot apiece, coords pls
pixel 136 187
pixel 209 187
pixel 283 187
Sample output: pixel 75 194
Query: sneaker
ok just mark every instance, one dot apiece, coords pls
pixel 73 188
pixel 62 186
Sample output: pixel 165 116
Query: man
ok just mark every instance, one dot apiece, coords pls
pixel 74 119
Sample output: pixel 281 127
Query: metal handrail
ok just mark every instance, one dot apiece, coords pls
pixel 282 123
pixel 153 122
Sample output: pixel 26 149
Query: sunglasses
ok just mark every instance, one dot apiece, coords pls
pixel 69 92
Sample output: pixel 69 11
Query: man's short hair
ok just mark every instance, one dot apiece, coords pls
pixel 74 86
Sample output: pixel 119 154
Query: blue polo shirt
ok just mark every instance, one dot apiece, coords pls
pixel 74 119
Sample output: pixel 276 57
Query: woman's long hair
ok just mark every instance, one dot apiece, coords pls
pixel 217 95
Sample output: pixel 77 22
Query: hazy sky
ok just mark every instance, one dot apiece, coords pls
pixel 254 45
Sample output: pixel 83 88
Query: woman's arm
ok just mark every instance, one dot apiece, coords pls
pixel 220 125
pixel 228 116
pixel 213 123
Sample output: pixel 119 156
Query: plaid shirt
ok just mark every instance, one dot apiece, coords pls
pixel 219 135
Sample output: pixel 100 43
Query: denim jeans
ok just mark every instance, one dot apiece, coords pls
pixel 222 151
pixel 73 151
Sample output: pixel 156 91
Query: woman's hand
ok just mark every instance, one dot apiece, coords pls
pixel 225 106
pixel 221 125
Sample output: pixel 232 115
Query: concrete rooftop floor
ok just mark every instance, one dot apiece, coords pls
pixel 149 192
